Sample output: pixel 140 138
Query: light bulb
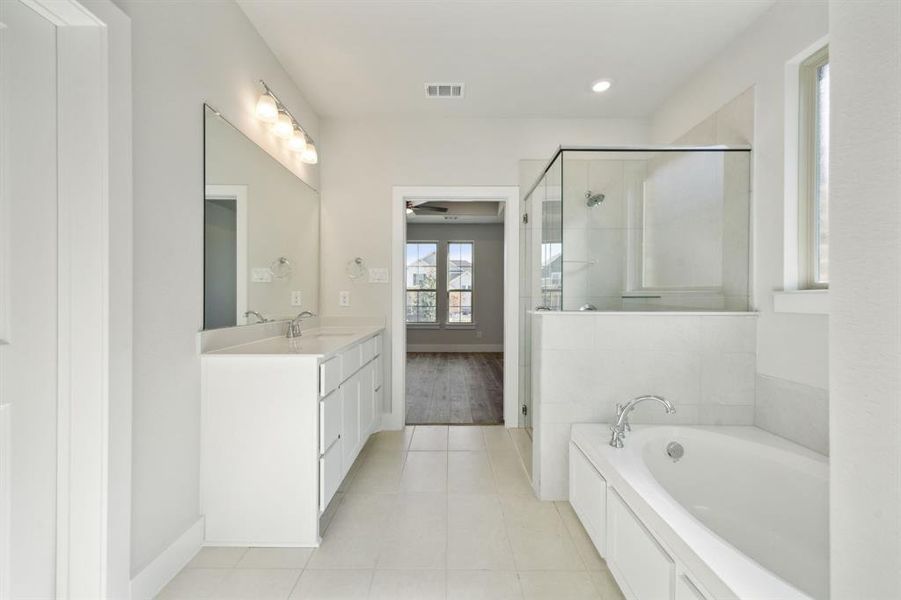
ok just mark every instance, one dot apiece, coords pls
pixel 283 126
pixel 267 109
pixel 309 155
pixel 601 86
pixel 298 141
pixel 409 211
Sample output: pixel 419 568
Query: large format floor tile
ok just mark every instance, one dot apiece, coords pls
pixel 428 512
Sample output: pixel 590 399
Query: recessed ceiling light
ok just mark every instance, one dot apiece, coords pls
pixel 601 86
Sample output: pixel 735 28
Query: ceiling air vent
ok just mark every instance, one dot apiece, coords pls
pixel 444 90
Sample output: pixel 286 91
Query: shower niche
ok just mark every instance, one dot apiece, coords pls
pixel 639 229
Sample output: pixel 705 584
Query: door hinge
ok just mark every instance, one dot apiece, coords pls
pixel 525 410
pixel 525 218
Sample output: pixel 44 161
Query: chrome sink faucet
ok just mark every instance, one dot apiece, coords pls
pixel 294 325
pixel 618 431
pixel 260 317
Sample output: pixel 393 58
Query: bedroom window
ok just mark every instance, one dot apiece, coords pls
pixel 422 282
pixel 459 282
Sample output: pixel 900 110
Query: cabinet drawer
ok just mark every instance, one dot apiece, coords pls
pixel 351 361
pixel 378 344
pixel 329 375
pixel 329 420
pixel 588 496
pixel 377 374
pixel 330 473
pixel 367 350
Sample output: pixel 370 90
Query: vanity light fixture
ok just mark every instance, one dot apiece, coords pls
pixel 601 86
pixel 298 141
pixel 270 109
pixel 309 155
pixel 267 108
pixel 283 126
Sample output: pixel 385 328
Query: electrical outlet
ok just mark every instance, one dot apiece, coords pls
pixel 343 298
pixel 479 333
pixel 296 298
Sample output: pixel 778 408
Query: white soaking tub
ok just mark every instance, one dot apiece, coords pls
pixel 742 514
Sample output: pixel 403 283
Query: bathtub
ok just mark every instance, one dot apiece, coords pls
pixel 742 514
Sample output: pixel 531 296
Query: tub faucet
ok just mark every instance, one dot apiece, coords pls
pixel 294 325
pixel 618 431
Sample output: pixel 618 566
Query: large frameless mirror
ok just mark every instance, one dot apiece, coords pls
pixel 261 232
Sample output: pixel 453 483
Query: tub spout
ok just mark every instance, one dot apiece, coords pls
pixel 618 431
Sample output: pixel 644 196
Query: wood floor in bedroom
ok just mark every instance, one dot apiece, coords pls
pixel 455 388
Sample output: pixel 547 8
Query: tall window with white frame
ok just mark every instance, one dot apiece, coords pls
pixel 813 233
pixel 422 282
pixel 459 282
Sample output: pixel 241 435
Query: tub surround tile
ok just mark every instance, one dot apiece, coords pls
pixel 795 411
pixel 705 364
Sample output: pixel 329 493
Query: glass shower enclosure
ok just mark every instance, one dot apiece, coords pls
pixel 635 229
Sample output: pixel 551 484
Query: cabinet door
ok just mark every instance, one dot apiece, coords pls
pixel 331 472
pixel 350 432
pixel 635 556
pixel 367 403
pixel 687 590
pixel 588 496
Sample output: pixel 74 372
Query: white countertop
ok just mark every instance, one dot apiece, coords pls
pixel 319 342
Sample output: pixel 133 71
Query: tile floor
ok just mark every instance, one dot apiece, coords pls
pixel 430 512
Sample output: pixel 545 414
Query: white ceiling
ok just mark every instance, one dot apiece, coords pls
pixel 521 58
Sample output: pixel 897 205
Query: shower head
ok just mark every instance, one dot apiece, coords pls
pixel 593 200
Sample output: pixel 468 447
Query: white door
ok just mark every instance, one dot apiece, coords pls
pixel 28 360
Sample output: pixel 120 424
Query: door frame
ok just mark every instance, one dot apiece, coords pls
pixel 509 195
pixel 94 298
pixel 238 195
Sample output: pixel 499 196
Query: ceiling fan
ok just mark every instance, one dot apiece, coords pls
pixel 424 208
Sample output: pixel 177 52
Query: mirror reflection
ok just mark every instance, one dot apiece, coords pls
pixel 261 232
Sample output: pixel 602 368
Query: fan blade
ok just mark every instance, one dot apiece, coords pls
pixel 432 209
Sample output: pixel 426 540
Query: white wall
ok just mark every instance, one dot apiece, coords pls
pixel 184 53
pixel 791 347
pixel 363 159
pixel 865 323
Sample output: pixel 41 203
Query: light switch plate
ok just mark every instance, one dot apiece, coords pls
pixel 343 298
pixel 296 298
pixel 261 275
pixel 378 275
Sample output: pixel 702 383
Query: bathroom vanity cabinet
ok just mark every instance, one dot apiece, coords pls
pixel 282 423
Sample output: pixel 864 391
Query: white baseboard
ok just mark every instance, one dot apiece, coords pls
pixel 164 567
pixel 455 347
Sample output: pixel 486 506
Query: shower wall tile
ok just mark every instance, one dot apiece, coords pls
pixel 583 364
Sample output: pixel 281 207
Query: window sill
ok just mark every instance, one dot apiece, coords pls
pixel 460 326
pixel 423 325
pixel 811 302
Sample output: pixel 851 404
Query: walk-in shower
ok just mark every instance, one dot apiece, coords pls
pixel 637 229
pixel 640 229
